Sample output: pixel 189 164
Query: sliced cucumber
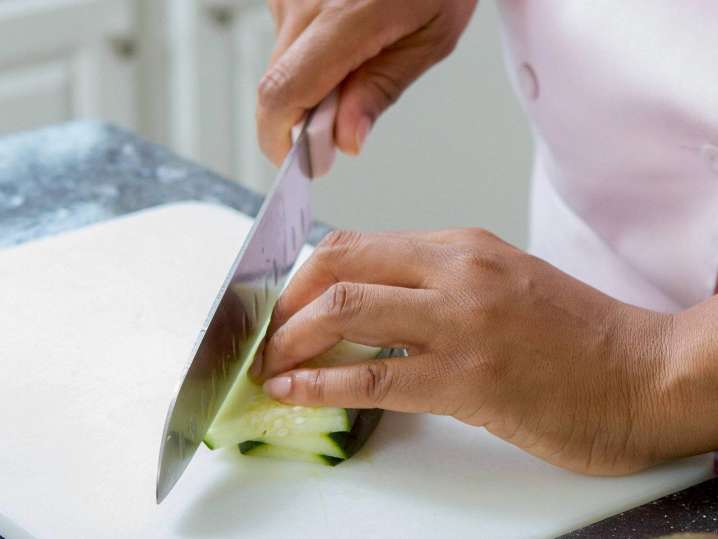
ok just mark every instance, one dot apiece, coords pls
pixel 260 418
pixel 259 449
pixel 247 414
pixel 329 449
pixel 330 444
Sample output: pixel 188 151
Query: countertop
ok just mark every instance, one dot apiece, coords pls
pixel 67 176
pixel 75 174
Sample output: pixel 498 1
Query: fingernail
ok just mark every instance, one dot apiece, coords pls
pixel 362 132
pixel 278 388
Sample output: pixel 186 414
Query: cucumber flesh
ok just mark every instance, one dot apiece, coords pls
pixel 263 417
pixel 330 444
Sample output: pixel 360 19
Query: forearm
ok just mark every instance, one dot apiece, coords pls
pixel 691 390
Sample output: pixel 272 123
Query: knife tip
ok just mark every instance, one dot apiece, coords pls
pixel 161 493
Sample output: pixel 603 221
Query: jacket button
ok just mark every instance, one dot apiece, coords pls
pixel 528 81
pixel 710 154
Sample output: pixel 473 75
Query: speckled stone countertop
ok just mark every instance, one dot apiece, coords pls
pixel 68 176
pixel 71 175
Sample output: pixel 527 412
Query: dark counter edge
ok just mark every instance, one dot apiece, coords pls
pixel 693 510
pixel 67 176
pixel 71 175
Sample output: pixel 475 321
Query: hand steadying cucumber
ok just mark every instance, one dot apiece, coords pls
pixel 267 428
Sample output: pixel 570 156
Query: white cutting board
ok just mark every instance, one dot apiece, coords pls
pixel 97 325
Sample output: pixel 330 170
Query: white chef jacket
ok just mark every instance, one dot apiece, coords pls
pixel 623 100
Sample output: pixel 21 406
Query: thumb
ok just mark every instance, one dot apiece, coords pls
pixel 412 384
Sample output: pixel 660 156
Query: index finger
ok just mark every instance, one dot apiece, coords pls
pixel 413 384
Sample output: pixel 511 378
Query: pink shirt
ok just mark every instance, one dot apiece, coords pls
pixel 623 99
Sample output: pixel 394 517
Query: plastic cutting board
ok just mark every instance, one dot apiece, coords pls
pixel 97 325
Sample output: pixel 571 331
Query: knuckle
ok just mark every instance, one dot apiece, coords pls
pixel 476 261
pixel 273 89
pixel 340 239
pixel 278 345
pixel 343 300
pixel 316 385
pixel 334 245
pixel 373 382
pixel 387 87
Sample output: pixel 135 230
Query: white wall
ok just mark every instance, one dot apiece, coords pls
pixel 454 151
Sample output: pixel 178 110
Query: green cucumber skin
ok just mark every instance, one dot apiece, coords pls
pixel 248 447
pixel 331 461
pixel 365 423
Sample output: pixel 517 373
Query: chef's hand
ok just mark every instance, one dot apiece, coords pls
pixel 497 338
pixel 374 49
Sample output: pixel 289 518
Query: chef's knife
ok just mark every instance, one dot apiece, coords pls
pixel 245 300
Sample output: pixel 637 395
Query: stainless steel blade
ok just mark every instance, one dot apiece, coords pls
pixel 243 305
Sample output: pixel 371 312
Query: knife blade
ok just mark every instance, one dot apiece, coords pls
pixel 245 300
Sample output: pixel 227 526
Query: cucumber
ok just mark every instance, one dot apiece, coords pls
pixel 257 417
pixel 328 449
pixel 259 449
pixel 327 443
pixel 264 427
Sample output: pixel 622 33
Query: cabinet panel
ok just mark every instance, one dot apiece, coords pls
pixel 253 42
pixel 235 41
pixel 34 96
pixel 59 61
pixel 182 72
pixel 32 28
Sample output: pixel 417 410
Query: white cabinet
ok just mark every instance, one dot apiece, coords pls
pixel 181 72
pixel 66 59
pixel 236 42
pixel 201 61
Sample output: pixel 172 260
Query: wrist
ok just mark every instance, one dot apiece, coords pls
pixel 644 347
pixel 687 396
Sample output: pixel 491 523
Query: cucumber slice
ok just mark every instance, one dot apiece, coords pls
pixel 247 414
pixel 329 449
pixel 330 444
pixel 259 449
pixel 261 418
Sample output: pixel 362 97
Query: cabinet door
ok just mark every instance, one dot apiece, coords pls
pixel 235 41
pixel 65 59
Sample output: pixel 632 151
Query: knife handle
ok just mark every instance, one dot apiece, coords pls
pixel 320 133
